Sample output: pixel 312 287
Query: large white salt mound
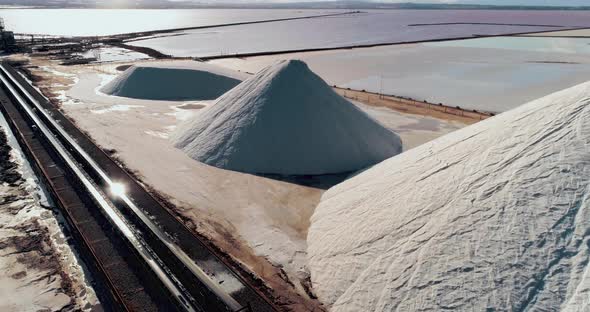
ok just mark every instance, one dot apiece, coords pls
pixel 492 217
pixel 173 81
pixel 286 120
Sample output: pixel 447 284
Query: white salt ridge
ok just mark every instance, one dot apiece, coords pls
pixel 493 216
pixel 173 81
pixel 286 120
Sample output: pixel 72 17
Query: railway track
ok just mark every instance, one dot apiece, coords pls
pixel 116 268
pixel 142 265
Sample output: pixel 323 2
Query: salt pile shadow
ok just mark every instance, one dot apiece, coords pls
pixel 323 181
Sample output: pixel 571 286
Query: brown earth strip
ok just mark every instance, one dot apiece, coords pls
pixel 411 106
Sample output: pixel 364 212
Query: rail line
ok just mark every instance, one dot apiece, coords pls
pixel 120 285
pixel 186 282
pixel 97 196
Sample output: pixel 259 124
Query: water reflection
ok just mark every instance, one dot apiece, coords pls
pixel 92 22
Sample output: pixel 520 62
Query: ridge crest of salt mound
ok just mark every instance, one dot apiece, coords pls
pixel 286 120
pixel 495 216
pixel 173 81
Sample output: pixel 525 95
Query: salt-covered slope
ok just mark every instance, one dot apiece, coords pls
pixel 286 120
pixel 38 268
pixel 495 215
pixel 173 81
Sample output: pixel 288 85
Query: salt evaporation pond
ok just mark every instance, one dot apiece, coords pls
pixel 533 44
pixel 373 27
pixel 91 22
pixel 474 74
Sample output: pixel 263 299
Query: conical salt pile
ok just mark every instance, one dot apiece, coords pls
pixel 286 120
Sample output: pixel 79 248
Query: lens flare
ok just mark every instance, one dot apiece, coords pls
pixel 118 189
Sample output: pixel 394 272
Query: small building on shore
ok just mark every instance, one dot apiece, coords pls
pixel 7 42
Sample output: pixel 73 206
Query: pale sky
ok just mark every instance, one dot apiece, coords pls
pixel 494 2
pixel 514 2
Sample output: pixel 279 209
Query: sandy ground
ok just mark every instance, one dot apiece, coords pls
pixel 258 221
pixel 261 222
pixel 38 269
pixel 422 109
pixel 413 129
